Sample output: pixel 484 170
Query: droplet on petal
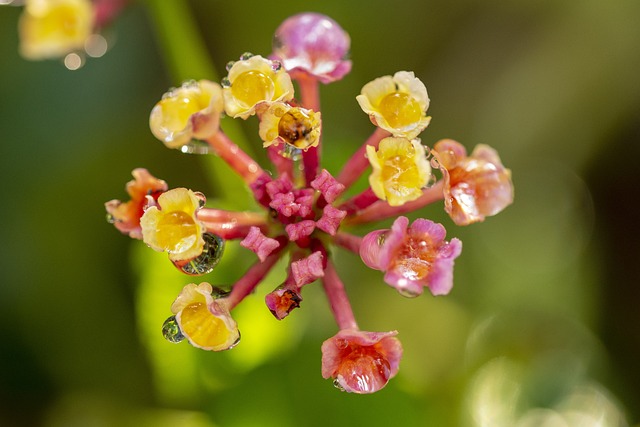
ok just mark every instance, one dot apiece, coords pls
pixel 204 263
pixel 171 330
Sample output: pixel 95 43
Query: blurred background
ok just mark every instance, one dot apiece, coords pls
pixel 542 327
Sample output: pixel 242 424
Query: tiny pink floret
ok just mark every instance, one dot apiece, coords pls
pixel 361 362
pixel 301 229
pixel 259 243
pixel 330 220
pixel 307 270
pixel 412 257
pixel 328 186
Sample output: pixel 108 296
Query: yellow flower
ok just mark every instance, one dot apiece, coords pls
pixel 190 111
pixel 203 320
pixel 53 28
pixel 253 81
pixel 298 127
pixel 173 227
pixel 400 170
pixel 397 104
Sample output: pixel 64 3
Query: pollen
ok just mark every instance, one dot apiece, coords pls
pixel 400 109
pixel 176 231
pixel 252 87
pixel 203 328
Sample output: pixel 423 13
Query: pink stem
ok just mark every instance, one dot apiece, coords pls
pixel 348 241
pixel 310 98
pixel 381 210
pixel 340 306
pixel 358 162
pixel 247 283
pixel 229 224
pixel 359 202
pixel 239 161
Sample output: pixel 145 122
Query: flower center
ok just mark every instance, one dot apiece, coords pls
pixel 415 258
pixel 252 87
pixel 399 171
pixel 176 110
pixel 293 127
pixel 202 327
pixel 176 231
pixel 400 109
pixel 364 369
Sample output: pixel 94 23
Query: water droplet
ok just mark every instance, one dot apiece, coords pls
pixel 225 82
pixel 336 384
pixel 171 330
pixel 202 199
pixel 290 152
pixel 217 292
pixel 246 56
pixel 407 293
pixel 431 181
pixel 196 146
pixel 190 84
pixel 111 219
pixel 434 163
pixel 229 65
pixel 205 262
pixel 342 343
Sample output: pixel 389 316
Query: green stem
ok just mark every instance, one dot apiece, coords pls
pixel 187 58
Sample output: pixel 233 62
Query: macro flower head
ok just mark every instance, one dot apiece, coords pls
pixel 312 45
pixel 53 28
pixel 412 257
pixel 172 225
pixel 397 104
pixel 191 111
pixel 203 320
pixel 253 80
pixel 361 362
pixel 400 170
pixel 301 210
pixel 475 186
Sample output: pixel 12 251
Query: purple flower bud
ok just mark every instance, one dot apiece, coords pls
pixel 311 44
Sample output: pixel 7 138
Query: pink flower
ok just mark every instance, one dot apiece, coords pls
pixel 412 257
pixel 311 44
pixel 475 186
pixel 361 362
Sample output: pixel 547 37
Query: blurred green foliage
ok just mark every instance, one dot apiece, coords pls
pixel 541 329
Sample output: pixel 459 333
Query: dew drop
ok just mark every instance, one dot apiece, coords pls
pixel 435 163
pixel 111 219
pixel 225 82
pixel 246 56
pixel 202 199
pixel 205 262
pixel 289 151
pixel 229 65
pixel 431 181
pixel 196 146
pixel 171 330
pixel 336 384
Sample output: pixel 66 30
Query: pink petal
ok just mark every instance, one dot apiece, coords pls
pixel 259 243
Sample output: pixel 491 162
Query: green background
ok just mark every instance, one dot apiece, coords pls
pixel 542 327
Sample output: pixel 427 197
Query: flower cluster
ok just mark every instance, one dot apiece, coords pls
pixel 306 214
